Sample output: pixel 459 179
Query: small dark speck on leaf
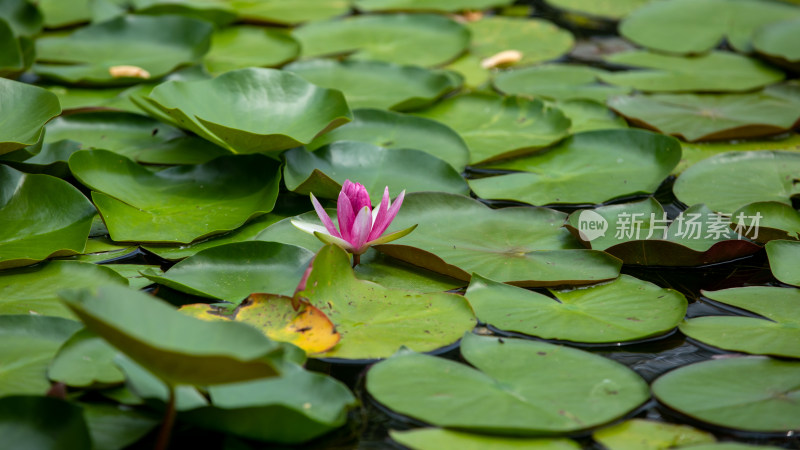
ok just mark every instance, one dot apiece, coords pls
pixel 633 319
pixel 541 353
pixel 500 340
pixel 155 132
pixel 303 330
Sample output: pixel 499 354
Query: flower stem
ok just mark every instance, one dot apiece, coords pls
pixel 356 260
pixel 169 420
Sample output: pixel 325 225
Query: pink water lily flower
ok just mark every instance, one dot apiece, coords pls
pixel 360 226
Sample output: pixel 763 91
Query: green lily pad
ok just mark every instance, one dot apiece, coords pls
pixel 394 274
pixel 233 271
pixel 523 246
pixel 711 72
pixel 86 360
pixel 783 261
pixel 42 217
pixel 246 232
pixel 718 181
pixel 615 10
pixel 776 40
pixel 538 40
pixel 250 110
pixel 715 116
pixel 176 348
pixel 25 110
pixel 115 427
pixel 438 438
pixel 377 84
pixel 777 221
pixel 777 333
pixel 57 13
pixel 557 81
pixel 396 38
pixel 747 394
pixel 694 152
pixel 32 290
pixel 625 309
pixel 323 172
pixel 132 272
pixel 374 321
pixel 30 343
pixel 289 13
pixel 214 11
pixel 23 17
pixel 696 26
pixel 249 46
pixel 429 5
pixel 389 129
pixel 156 44
pixel 50 159
pixel 17 53
pixel 639 434
pixel 639 233
pixel 144 387
pixel 28 422
pixel 174 205
pixel 524 387
pixel 496 127
pixel 291 409
pixel 589 115
pixel 589 167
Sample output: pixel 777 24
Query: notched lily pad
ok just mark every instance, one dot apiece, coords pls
pixel 776 332
pixel 526 388
pixel 776 220
pixel 250 110
pixel 323 171
pixel 783 261
pixel 178 204
pixel 25 109
pixel 625 309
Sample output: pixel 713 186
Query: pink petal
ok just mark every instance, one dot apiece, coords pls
pixel 345 214
pixel 323 216
pixel 358 195
pixel 380 218
pixel 361 228
pixel 390 215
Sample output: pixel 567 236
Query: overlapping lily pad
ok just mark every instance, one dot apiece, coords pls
pixel 589 167
pixel 694 152
pixel 49 159
pixel 377 84
pixel 41 422
pixel 524 387
pixel 605 10
pixel 32 290
pixel 537 40
pixel 86 360
pixel 640 434
pixel 557 81
pixel 217 12
pixel 374 321
pixel 179 204
pixel 715 116
pixel 428 5
pixel 233 271
pixel 624 310
pixel 249 46
pixel 289 13
pixel 24 18
pixel 775 221
pixel 776 40
pixel 496 127
pixel 176 348
pixel 588 115
pixel 639 233
pixel 156 45
pixel 25 110
pixel 711 72
pixel 776 332
pixel 696 26
pixel 783 261
pixel 323 171
pixel 525 246
pixel 396 38
pixel 294 408
pixel 42 216
pixel 18 51
pixel 250 110
pixel 438 438
pixel 719 181
pixel 31 341
pixel 389 129
pixel 749 394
